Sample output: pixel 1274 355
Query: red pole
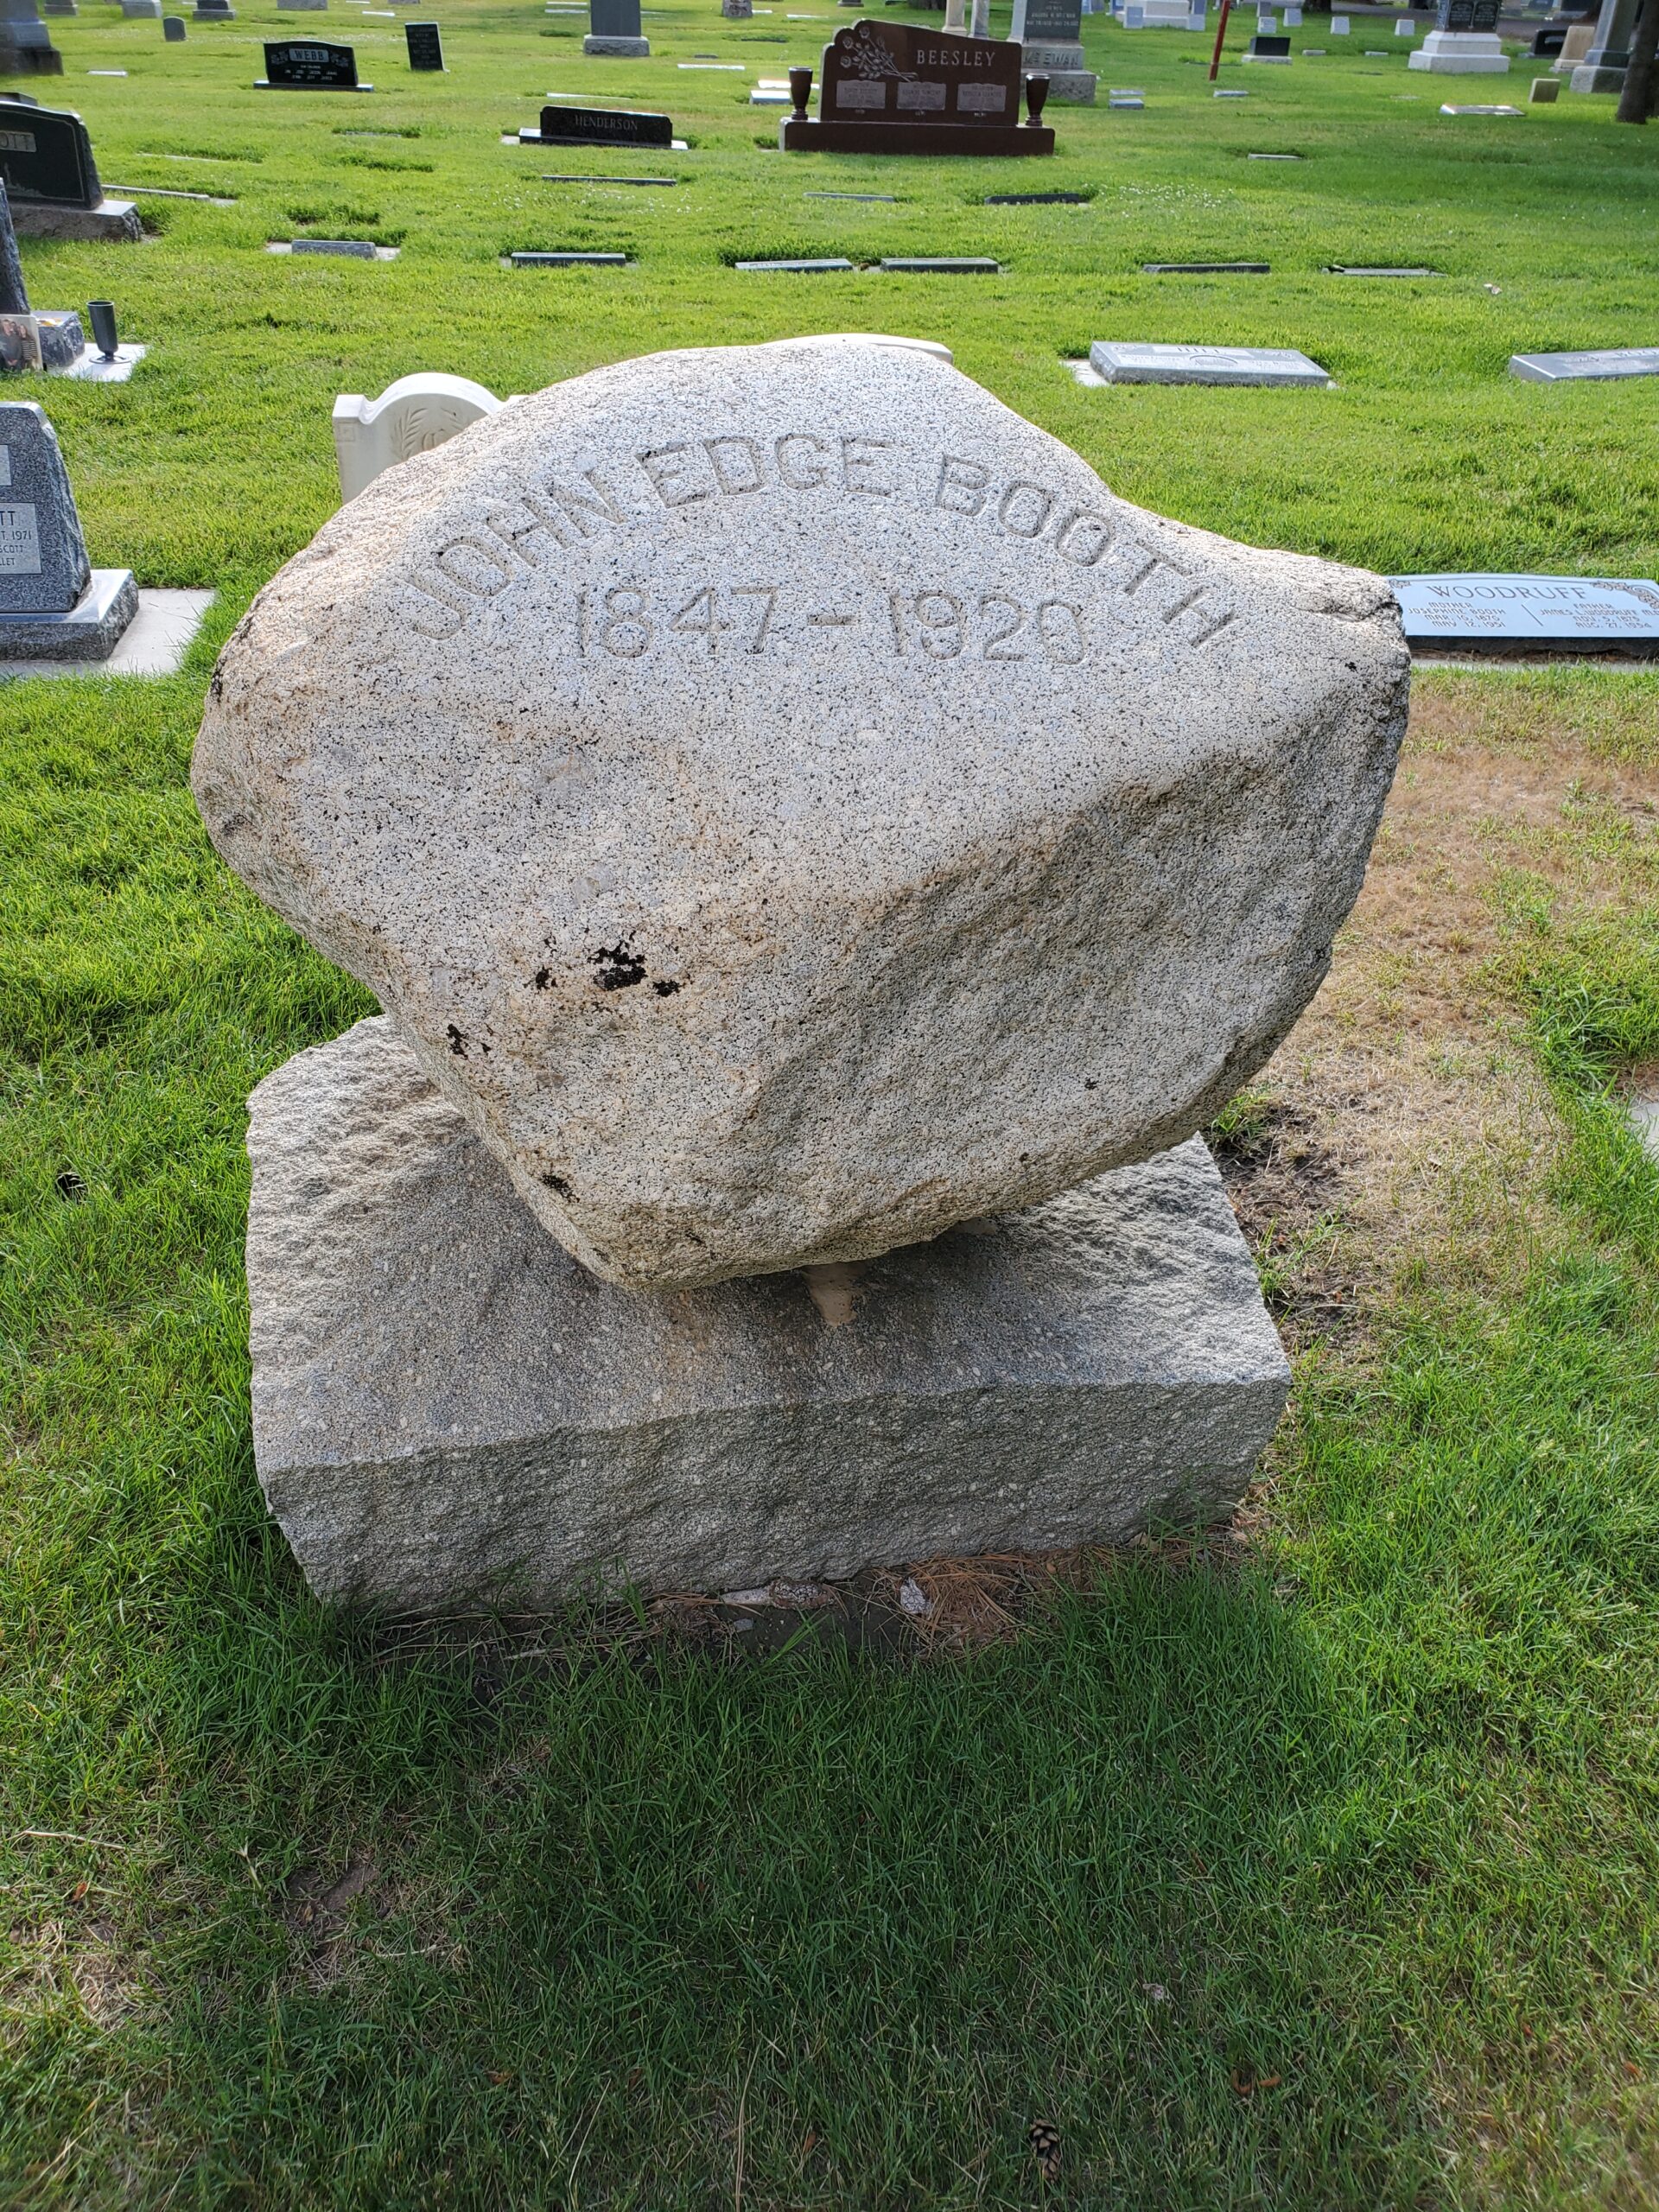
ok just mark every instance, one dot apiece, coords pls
pixel 1221 33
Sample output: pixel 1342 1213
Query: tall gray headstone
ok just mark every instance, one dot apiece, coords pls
pixel 614 28
pixel 1051 33
pixel 26 47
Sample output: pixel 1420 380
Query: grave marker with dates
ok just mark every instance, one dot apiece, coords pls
pixel 787 808
pixel 894 88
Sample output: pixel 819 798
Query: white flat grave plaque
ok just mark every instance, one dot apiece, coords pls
pixel 1115 361
pixel 1590 367
pixel 1448 107
pixel 1523 614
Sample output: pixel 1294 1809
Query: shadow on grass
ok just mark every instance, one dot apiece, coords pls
pixel 843 1926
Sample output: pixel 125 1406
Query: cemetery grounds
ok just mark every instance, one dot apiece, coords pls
pixel 1309 1863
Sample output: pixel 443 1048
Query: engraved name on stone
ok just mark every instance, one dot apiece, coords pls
pixel 926 619
pixel 19 541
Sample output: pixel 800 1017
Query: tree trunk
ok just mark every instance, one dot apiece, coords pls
pixel 1635 101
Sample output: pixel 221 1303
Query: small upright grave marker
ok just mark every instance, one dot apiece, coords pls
pixel 425 44
pixel 599 126
pixel 53 605
pixel 46 167
pixel 308 65
pixel 173 29
pixel 411 416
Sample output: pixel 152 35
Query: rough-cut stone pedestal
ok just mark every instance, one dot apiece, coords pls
pixel 447 1407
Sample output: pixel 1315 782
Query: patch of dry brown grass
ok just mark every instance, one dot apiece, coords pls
pixel 1403 1123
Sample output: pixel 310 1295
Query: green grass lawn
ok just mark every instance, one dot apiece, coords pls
pixel 1316 1870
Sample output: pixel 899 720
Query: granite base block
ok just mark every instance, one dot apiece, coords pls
pixel 110 220
pixel 447 1408
pixel 90 631
pixel 627 49
pixel 1590 78
pixel 1070 88
pixel 153 643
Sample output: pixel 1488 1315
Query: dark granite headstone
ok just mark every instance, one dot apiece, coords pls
pixel 13 293
pixel 604 126
pixel 425 43
pixel 1269 48
pixel 900 72
pixel 173 29
pixel 43 564
pixel 614 18
pixel 1466 16
pixel 308 65
pixel 46 155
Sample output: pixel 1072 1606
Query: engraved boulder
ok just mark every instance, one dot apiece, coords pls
pixel 790 806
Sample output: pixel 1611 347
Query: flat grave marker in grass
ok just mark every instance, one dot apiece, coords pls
pixel 1120 361
pixel 1036 199
pixel 1594 366
pixel 797 268
pixel 1205 267
pixel 1527 613
pixel 941 264
pixel 891 198
pixel 1450 107
pixel 532 257
pixel 550 176
pixel 1364 269
pixel 309 66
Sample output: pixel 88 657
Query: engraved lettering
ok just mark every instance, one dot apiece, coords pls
pixel 769 593
pixel 511 532
pixel 456 607
pixel 964 485
pixel 1024 510
pixel 1212 630
pixel 858 458
pixel 993 647
pixel 450 562
pixel 671 470
pixel 1083 538
pixel 579 506
pixel 736 463
pixel 800 471
pixel 1061 632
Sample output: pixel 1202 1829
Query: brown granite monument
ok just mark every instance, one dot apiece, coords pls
pixel 902 88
